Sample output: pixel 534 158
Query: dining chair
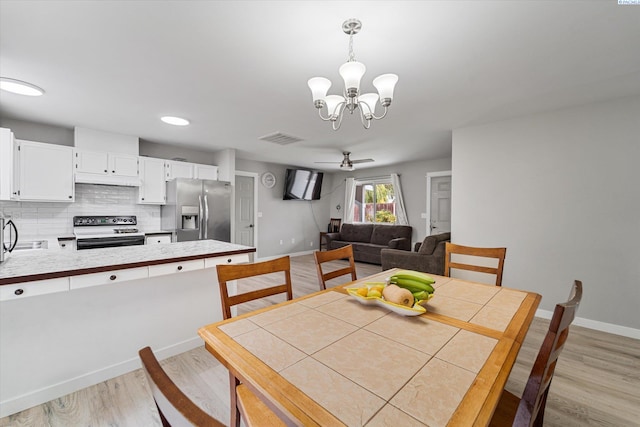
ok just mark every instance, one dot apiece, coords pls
pixel 334 225
pixel 497 253
pixel 174 407
pixel 321 257
pixel 233 272
pixel 529 410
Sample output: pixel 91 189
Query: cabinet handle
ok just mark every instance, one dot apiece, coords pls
pixel 106 171
pixel 71 197
pixel 19 291
pixel 229 260
pixel 179 267
pixel 113 277
pixel 113 171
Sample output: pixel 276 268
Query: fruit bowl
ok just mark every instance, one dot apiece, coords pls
pixel 403 310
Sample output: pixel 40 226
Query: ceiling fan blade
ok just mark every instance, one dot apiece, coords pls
pixel 362 161
pixel 335 163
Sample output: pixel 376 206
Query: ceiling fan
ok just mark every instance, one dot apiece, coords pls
pixel 347 163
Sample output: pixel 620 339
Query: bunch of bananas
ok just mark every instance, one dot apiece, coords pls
pixel 418 283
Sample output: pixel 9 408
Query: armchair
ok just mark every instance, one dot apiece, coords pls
pixel 428 256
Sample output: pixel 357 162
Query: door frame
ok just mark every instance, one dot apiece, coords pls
pixel 430 176
pixel 255 177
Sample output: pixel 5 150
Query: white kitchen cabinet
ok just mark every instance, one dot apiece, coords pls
pixel 175 169
pixel 175 267
pixel 92 162
pixel 105 163
pixel 155 239
pixel 7 165
pixel 31 289
pixel 153 188
pixel 206 172
pixel 45 172
pixel 108 277
pixel 231 259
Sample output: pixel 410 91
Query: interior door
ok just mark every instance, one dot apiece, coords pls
pixel 440 212
pixel 245 224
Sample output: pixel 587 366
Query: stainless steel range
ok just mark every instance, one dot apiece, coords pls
pixel 93 232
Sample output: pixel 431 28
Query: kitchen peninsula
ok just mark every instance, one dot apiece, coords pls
pixel 70 319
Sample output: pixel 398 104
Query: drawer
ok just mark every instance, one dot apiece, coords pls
pixel 158 238
pixel 175 267
pixel 108 277
pixel 231 259
pixel 30 289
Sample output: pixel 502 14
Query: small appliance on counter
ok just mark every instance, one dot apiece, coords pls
pixel 7 244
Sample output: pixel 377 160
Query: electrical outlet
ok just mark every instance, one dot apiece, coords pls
pixel 310 243
pixel 293 240
pixel 280 241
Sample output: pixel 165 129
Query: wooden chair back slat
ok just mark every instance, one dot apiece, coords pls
pixel 532 405
pixel 497 253
pixel 174 407
pixel 321 257
pixel 230 272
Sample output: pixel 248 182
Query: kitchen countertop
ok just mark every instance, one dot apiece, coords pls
pixel 52 263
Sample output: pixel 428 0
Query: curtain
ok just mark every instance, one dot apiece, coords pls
pixel 401 213
pixel 349 199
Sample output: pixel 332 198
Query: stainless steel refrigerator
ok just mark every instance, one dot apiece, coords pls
pixel 198 209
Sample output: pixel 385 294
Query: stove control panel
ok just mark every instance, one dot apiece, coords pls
pixel 104 220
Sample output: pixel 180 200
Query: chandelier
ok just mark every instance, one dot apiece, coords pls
pixel 351 100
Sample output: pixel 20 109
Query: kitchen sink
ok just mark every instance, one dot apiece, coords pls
pixel 35 244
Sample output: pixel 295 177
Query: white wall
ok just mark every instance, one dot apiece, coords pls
pixel 561 190
pixel 287 220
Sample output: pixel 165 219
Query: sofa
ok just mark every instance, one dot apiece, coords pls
pixel 369 239
pixel 427 256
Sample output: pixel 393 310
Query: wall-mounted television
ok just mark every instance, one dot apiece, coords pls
pixel 302 184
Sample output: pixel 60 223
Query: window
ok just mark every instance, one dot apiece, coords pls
pixel 374 202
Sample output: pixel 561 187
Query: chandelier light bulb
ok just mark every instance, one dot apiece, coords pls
pixel 352 73
pixel 319 87
pixel 385 85
pixel 333 105
pixel 368 103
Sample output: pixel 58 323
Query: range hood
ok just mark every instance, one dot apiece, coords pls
pixel 106 145
pixel 92 178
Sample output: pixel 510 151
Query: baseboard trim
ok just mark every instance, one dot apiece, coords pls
pixel 268 258
pixel 610 328
pixel 38 397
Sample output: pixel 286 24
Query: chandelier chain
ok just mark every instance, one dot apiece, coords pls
pixel 352 56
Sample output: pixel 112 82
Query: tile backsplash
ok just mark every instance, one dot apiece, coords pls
pixel 40 220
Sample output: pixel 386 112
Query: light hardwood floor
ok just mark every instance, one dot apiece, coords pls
pixel 597 381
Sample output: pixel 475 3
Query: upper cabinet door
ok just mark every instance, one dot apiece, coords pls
pixel 45 172
pixel 92 162
pixel 153 187
pixel 123 164
pixel 207 172
pixel 177 169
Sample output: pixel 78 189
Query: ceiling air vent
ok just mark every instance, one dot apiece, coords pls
pixel 280 138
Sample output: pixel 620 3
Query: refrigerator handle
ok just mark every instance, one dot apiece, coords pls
pixel 200 216
pixel 206 217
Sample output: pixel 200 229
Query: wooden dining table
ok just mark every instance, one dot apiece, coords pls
pixel 325 359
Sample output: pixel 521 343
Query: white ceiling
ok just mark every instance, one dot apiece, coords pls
pixel 239 69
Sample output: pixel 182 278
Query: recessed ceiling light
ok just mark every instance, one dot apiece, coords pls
pixel 176 121
pixel 20 87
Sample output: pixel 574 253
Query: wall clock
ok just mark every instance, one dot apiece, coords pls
pixel 268 179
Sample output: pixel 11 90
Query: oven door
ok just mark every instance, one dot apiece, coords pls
pixel 109 242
